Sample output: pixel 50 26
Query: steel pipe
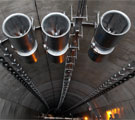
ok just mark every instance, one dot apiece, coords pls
pixel 18 28
pixel 113 25
pixel 56 27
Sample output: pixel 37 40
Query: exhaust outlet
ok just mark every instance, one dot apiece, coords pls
pixel 18 28
pixel 56 27
pixel 113 25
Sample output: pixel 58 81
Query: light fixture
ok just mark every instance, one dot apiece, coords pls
pixel 130 75
pixel 113 25
pixel 10 68
pixel 13 72
pixel 5 64
pixel 56 27
pixel 85 118
pixel 16 75
pixel 18 28
pixel 2 59
pixel 125 79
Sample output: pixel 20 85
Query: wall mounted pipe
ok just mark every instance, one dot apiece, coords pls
pixel 113 25
pixel 56 27
pixel 19 29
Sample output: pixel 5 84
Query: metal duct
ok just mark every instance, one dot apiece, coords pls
pixel 113 25
pixel 56 27
pixel 18 28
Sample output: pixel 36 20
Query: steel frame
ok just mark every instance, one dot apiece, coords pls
pixel 77 34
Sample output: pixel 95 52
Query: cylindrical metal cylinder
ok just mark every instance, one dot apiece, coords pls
pixel 113 24
pixel 18 28
pixel 56 27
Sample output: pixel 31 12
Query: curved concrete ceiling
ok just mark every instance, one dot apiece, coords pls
pixel 87 75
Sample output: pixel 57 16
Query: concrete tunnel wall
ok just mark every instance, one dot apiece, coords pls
pixel 17 102
pixel 11 110
pixel 121 98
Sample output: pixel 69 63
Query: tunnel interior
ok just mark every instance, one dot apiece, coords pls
pixel 96 91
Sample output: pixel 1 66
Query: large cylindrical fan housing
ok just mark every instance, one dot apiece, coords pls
pixel 113 25
pixel 18 28
pixel 56 27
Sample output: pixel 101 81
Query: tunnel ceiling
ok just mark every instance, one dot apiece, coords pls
pixel 87 74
